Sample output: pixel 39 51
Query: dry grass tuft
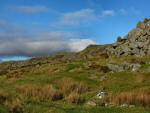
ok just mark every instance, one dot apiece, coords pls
pixel 68 86
pixel 75 98
pixel 140 98
pixel 15 106
pixel 40 93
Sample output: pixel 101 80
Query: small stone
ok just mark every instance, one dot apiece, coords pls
pixel 124 105
pixel 103 78
pixel 135 67
pixel 102 94
pixel 91 103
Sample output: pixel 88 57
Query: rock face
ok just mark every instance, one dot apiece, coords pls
pixel 136 43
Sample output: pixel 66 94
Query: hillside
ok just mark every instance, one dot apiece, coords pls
pixel 112 78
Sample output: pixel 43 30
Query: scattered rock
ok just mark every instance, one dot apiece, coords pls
pixel 103 78
pixel 102 94
pixel 135 67
pixel 91 103
pixel 124 105
pixel 123 67
pixel 115 67
pixel 131 106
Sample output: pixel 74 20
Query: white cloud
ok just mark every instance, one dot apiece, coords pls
pixel 80 44
pixel 40 44
pixel 129 11
pixel 77 17
pixel 30 9
pixel 107 13
pixel 27 43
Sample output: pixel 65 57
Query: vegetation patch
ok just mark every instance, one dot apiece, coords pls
pixel 68 86
pixel 75 98
pixel 139 98
pixel 40 93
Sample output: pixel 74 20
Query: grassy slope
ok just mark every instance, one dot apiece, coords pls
pixel 78 71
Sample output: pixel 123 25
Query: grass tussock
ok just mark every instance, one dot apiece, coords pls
pixel 15 105
pixel 139 98
pixel 68 86
pixel 40 93
pixel 75 98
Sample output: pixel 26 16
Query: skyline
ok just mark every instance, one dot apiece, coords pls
pixel 37 28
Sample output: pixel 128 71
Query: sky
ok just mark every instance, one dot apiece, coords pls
pixel 42 27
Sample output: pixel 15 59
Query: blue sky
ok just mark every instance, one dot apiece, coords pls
pixel 42 27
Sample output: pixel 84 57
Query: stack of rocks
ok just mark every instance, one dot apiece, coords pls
pixel 136 43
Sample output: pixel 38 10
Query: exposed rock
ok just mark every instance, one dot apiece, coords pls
pixel 123 67
pixel 103 78
pixel 91 103
pixel 135 67
pixel 102 94
pixel 124 105
pixel 136 43
pixel 115 67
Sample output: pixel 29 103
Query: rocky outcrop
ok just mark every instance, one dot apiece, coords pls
pixel 136 43
pixel 123 67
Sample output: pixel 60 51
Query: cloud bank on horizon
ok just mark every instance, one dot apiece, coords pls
pixel 37 28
